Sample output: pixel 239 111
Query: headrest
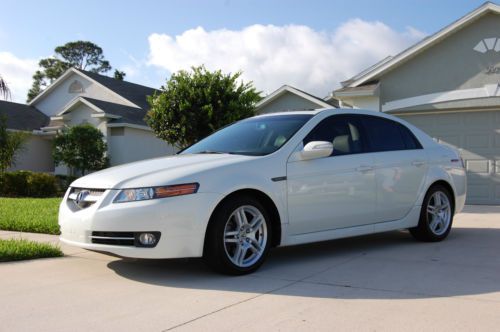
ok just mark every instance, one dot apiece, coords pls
pixel 341 144
pixel 279 141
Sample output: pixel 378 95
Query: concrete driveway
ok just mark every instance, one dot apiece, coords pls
pixel 379 282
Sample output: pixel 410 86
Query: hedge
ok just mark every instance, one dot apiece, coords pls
pixel 31 184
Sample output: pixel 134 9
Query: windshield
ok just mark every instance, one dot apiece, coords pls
pixel 254 136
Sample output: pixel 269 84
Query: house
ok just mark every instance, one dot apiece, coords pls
pixel 116 108
pixel 288 98
pixel 449 86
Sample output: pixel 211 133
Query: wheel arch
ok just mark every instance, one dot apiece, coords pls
pixel 268 204
pixel 448 186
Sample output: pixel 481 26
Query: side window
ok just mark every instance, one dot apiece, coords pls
pixel 383 134
pixel 409 139
pixel 343 131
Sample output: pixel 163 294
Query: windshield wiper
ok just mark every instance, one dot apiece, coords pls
pixel 210 152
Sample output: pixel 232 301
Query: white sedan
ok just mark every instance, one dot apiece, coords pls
pixel 272 180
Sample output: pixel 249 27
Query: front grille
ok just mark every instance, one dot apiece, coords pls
pixel 82 198
pixel 93 192
pixel 114 238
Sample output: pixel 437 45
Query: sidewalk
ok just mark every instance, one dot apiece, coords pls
pixel 53 239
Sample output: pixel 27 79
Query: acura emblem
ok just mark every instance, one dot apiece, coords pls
pixel 80 197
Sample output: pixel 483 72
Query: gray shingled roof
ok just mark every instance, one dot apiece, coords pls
pixel 136 93
pixel 129 114
pixel 22 117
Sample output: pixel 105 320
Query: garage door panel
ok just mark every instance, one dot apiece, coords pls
pixel 477 136
pixel 420 121
pixel 443 120
pixel 453 140
pixel 479 192
pixel 478 166
pixel 478 119
pixel 496 140
pixel 481 141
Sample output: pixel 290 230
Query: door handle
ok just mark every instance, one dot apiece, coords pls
pixel 418 163
pixel 364 168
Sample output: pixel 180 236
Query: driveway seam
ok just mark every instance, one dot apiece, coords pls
pixel 263 294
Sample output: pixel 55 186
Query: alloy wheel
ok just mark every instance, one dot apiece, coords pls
pixel 439 213
pixel 245 236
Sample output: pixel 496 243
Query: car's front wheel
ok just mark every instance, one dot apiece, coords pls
pixel 238 237
pixel 436 215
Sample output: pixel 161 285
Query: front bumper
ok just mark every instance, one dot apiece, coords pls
pixel 181 220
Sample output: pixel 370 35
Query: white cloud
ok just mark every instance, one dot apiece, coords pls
pixel 18 74
pixel 275 55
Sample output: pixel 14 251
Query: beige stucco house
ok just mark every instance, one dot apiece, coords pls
pixel 116 108
pixel 448 85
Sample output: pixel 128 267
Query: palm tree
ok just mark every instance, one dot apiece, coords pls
pixel 4 89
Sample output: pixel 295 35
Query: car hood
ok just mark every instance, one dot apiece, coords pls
pixel 156 172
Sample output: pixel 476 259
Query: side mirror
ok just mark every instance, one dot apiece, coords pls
pixel 316 149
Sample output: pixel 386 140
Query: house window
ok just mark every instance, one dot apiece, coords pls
pixel 120 131
pixel 75 87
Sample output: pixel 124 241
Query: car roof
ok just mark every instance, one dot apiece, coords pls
pixel 330 110
pixel 423 138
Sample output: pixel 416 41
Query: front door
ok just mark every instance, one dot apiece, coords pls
pixel 336 191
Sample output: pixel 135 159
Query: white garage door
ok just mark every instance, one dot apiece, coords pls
pixel 477 135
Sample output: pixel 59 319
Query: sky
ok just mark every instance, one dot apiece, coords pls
pixel 312 45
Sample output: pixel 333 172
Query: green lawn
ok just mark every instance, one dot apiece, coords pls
pixel 36 215
pixel 21 249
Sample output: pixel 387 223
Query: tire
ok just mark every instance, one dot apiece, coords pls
pixel 238 237
pixel 436 216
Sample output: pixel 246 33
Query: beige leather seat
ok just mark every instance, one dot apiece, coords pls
pixel 341 144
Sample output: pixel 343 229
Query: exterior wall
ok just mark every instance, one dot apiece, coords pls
pixel 81 114
pixel 135 144
pixel 452 64
pixel 37 155
pixel 367 103
pixel 287 102
pixel 55 101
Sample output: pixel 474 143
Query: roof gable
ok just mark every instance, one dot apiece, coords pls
pixel 132 94
pixel 290 89
pixel 135 93
pixel 384 66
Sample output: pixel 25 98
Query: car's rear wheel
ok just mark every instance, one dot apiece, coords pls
pixel 436 216
pixel 238 237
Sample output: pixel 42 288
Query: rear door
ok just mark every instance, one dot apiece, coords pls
pixel 400 166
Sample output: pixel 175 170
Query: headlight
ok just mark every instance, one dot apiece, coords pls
pixel 141 194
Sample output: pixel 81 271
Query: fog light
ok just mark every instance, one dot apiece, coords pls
pixel 147 239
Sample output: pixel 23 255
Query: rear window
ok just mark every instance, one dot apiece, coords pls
pixel 388 135
pixel 409 139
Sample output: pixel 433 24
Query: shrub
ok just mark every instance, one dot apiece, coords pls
pixel 42 185
pixel 15 184
pixel 28 184
pixel 81 148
